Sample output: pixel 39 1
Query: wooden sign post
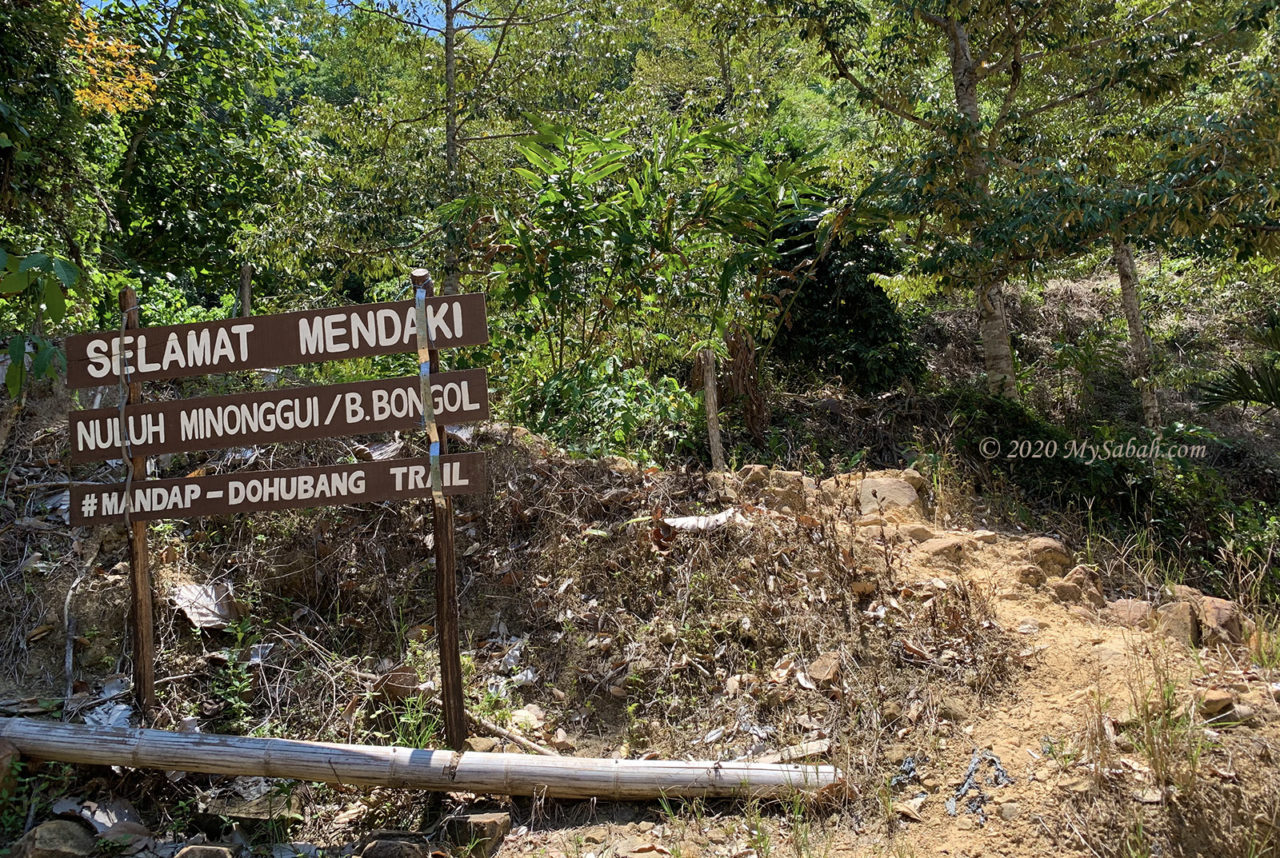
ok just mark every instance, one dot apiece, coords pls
pixel 131 355
pixel 143 625
pixel 447 622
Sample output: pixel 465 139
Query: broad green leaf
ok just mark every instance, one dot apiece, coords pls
pixel 66 272
pixel 17 348
pixel 15 282
pixel 55 301
pixel 41 363
pixel 607 169
pixel 529 176
pixel 13 379
pixel 35 260
pixel 543 159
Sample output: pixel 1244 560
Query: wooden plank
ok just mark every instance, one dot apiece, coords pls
pixel 494 774
pixel 284 339
pixel 448 630
pixel 142 591
pixel 296 488
pixel 268 417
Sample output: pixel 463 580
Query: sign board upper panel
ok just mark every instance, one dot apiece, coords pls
pixel 285 339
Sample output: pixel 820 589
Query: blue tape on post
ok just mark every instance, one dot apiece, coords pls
pixel 425 345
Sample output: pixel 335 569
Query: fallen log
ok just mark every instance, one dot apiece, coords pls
pixel 470 771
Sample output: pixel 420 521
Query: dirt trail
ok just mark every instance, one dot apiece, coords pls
pixel 1117 736
pixel 753 613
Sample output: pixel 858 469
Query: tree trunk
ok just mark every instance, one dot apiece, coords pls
pixel 997 350
pixel 452 263
pixel 713 409
pixel 1139 342
pixel 246 288
pixel 993 324
pixel 964 80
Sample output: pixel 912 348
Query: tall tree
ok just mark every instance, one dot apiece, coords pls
pixel 411 115
pixel 976 184
pixel 1139 341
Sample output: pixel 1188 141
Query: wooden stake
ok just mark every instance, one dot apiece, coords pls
pixel 141 614
pixel 502 774
pixel 713 408
pixel 447 622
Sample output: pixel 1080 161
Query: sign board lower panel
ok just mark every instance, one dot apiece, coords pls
pixel 269 417
pixel 248 491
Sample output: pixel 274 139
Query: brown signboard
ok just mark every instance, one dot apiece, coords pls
pixel 254 342
pixel 246 491
pixel 269 417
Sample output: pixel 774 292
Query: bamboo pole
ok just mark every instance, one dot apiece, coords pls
pixel 470 771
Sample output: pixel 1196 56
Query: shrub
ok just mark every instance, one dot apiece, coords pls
pixel 842 323
pixel 602 408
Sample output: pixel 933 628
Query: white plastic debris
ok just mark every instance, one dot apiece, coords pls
pixel 706 522
pixel 109 715
pixel 207 606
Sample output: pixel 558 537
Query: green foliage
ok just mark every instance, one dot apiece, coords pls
pixel 35 290
pixel 600 408
pixel 42 132
pixel 1249 549
pixel 13 811
pixel 842 323
pixel 41 784
pixel 607 230
pixel 196 156
pixel 234 681
pixel 176 299
pixel 1020 136
pixel 642 251
pixel 1257 383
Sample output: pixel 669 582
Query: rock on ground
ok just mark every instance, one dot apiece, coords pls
pixel 1215 701
pixel 1178 621
pixel 1030 574
pixel 392 849
pixel 1131 613
pixel 480 833
pixel 946 547
pixel 60 838
pixel 878 492
pixel 1064 591
pixel 1050 555
pixel 1222 622
pixel 205 850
